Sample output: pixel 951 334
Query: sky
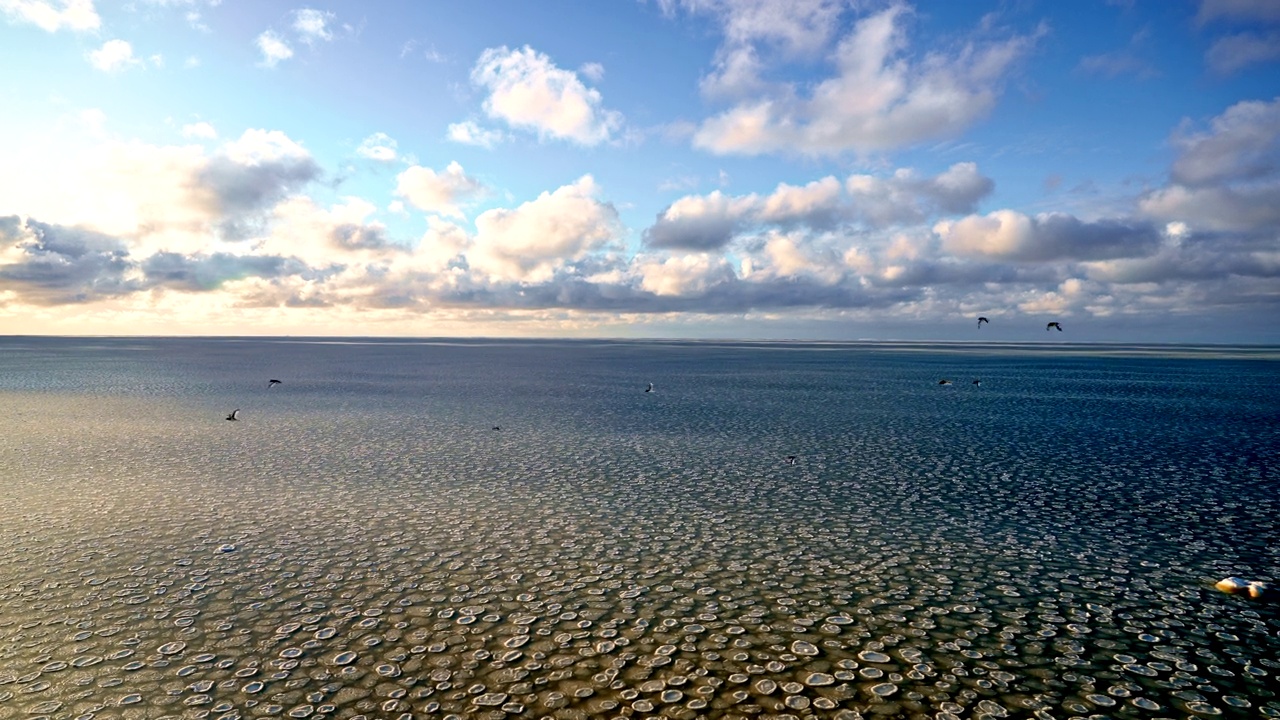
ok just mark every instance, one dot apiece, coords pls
pixel 755 169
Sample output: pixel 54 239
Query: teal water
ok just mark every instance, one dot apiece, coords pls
pixel 363 542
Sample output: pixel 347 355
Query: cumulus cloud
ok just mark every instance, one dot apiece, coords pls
pixel 250 175
pixel 273 48
pixel 1243 143
pixel 907 197
pixel 683 275
pixel 530 242
pixel 469 133
pixel 438 192
pixel 378 146
pixel 706 222
pixel 712 221
pixel 527 90
pixel 754 30
pixel 313 25
pixel 1195 259
pixel 201 130
pixel 204 272
pixel 113 56
pixel 880 98
pixel 1225 178
pixel 1008 234
pixel 76 15
pixel 49 264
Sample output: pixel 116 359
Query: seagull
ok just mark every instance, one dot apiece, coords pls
pixel 983 320
pixel 650 388
pixel 235 414
pixel 272 383
pixel 791 459
pixel 944 382
pixel 1053 325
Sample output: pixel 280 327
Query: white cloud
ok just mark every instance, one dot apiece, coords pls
pixel 592 70
pixel 752 28
pixel 527 90
pixel 259 147
pixel 1008 234
pixel 701 222
pixel 113 56
pixel 313 25
pixel 273 48
pixel 880 98
pixel 378 146
pixel 469 133
pixel 682 275
pixel 1242 143
pixel 712 221
pixel 302 229
pixel 53 16
pixel 817 203
pixel 201 130
pixel 907 197
pixel 438 192
pixel 531 242
pixel 1226 178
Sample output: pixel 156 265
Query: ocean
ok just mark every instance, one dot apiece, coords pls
pixel 516 529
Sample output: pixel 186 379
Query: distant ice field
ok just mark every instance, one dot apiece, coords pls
pixel 516 529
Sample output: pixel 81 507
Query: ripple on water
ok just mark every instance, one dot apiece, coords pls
pixel 615 561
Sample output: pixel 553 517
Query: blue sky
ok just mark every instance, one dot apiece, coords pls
pixel 671 168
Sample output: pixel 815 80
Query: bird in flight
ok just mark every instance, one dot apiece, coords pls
pixel 235 414
pixel 650 388
pixel 944 382
pixel 1053 325
pixel 273 382
pixel 983 320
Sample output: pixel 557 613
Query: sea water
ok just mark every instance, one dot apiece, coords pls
pixel 516 529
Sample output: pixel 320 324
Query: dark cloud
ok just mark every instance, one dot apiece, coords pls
pixel 698 233
pixel 569 290
pixel 1203 258
pixel 197 273
pixel 1010 235
pixel 1062 236
pixel 963 275
pixel 239 194
pixel 711 222
pixel 359 237
pixel 63 265
pixel 1243 144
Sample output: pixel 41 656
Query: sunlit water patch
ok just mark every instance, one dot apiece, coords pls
pixel 364 543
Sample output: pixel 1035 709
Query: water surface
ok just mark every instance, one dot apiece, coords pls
pixel 364 542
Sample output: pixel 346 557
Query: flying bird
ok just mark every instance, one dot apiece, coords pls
pixel 235 414
pixel 273 382
pixel 944 382
pixel 650 388
pixel 1053 325
pixel 983 320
